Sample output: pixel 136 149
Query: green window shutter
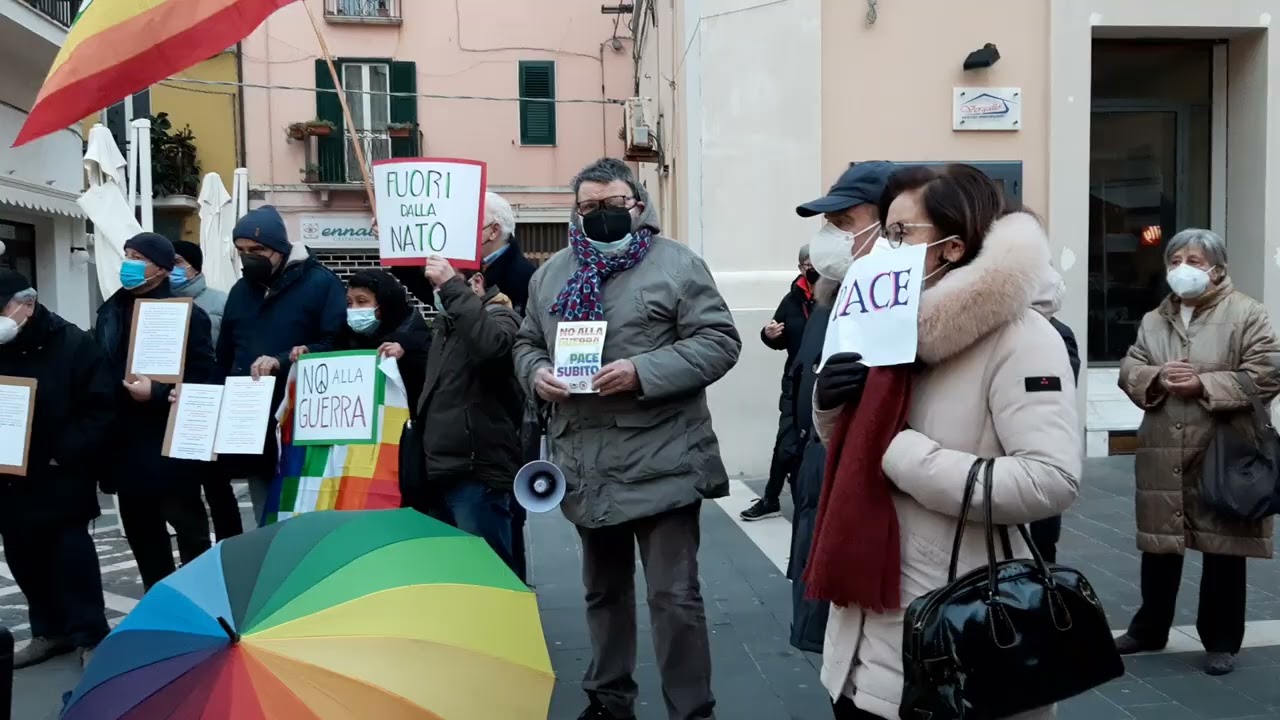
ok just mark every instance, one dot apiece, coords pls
pixel 537 119
pixel 332 156
pixel 404 79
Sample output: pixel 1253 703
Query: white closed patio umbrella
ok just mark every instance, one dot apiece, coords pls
pixel 217 219
pixel 104 203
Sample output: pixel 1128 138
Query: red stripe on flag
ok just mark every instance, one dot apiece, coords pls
pixel 68 105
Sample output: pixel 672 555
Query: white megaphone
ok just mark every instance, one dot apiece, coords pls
pixel 539 486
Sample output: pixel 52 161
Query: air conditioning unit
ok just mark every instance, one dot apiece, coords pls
pixel 642 144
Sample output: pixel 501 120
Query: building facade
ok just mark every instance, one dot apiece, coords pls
pixel 430 78
pixel 41 225
pixel 1119 121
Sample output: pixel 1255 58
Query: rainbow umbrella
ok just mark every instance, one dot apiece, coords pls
pixel 382 614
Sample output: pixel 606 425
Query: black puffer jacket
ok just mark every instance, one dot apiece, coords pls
pixel 75 409
pixel 471 406
pixel 793 312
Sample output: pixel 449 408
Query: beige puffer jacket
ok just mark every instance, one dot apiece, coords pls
pixel 997 384
pixel 1229 331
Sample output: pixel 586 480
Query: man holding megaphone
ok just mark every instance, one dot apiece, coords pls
pixel 630 429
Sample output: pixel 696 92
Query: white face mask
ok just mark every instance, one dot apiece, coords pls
pixel 9 329
pixel 611 248
pixel 1188 282
pixel 832 250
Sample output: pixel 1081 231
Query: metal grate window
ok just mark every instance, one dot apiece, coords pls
pixel 542 240
pixel 345 263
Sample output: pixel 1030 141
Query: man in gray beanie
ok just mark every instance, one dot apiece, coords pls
pixel 285 299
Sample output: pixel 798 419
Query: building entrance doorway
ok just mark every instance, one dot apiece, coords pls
pixel 1149 177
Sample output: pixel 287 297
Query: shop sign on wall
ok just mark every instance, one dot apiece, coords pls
pixel 979 108
pixel 342 232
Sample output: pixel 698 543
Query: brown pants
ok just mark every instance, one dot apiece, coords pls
pixel 669 551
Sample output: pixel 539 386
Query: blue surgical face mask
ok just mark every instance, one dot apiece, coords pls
pixel 362 320
pixel 178 277
pixel 611 248
pixel 133 274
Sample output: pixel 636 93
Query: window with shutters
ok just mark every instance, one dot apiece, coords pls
pixel 382 94
pixel 366 86
pixel 537 102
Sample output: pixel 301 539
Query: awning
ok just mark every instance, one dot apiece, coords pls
pixel 40 199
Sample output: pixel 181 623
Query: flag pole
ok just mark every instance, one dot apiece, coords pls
pixel 346 110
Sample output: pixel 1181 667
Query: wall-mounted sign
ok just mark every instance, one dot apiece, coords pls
pixel 338 231
pixel 978 108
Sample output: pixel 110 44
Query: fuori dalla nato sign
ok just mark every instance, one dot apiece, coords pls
pixel 430 207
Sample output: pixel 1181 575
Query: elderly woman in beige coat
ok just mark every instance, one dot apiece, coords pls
pixel 1181 371
pixel 994 382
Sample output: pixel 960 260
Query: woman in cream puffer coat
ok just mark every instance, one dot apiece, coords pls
pixel 995 383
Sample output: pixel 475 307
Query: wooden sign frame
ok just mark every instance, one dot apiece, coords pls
pixel 21 470
pixel 133 338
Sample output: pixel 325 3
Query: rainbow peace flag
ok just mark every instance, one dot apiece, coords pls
pixel 340 477
pixel 119 47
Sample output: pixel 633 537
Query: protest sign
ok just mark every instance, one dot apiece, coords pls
pixel 336 394
pixel 158 339
pixel 877 307
pixel 579 346
pixel 17 412
pixel 427 207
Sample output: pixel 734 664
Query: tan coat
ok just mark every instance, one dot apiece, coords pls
pixel 1229 331
pixel 985 351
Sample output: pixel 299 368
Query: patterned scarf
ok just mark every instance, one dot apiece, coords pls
pixel 582 297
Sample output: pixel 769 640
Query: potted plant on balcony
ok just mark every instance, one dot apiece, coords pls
pixel 383 10
pixel 296 131
pixel 320 128
pixel 401 129
pixel 310 174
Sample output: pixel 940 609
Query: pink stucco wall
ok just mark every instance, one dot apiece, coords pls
pixel 461 47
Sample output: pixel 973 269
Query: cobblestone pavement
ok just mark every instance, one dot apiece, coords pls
pixel 758 676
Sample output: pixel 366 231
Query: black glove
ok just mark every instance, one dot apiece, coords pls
pixel 841 381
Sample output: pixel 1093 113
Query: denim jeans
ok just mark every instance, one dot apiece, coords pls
pixel 476 508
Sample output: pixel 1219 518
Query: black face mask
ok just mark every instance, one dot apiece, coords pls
pixel 256 268
pixel 607 224
pixel 812 276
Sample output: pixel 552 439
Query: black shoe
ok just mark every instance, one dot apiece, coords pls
pixel 1126 644
pixel 761 509
pixel 597 712
pixel 41 650
pixel 1220 663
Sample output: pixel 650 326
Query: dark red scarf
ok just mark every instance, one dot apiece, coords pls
pixel 855 558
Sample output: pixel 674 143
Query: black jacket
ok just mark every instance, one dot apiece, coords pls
pixel 793 312
pixel 74 413
pixel 510 273
pixel 136 465
pixel 809 617
pixel 471 406
pixel 305 304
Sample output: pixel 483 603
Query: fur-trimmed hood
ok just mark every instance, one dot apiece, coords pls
pixel 1013 272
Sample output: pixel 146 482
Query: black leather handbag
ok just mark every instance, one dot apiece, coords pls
pixel 1013 636
pixel 1240 475
pixel 415 491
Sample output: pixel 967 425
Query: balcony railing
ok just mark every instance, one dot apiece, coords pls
pixel 64 12
pixel 377 145
pixel 362 11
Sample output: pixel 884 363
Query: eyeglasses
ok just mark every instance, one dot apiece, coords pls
pixel 586 207
pixel 897 232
